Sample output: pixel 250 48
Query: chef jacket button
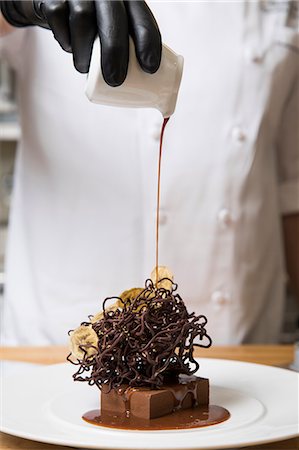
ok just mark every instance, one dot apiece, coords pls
pixel 238 135
pixel 163 217
pixel 254 56
pixel 224 217
pixel 220 298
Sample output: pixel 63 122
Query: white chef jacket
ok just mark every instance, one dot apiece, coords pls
pixel 82 223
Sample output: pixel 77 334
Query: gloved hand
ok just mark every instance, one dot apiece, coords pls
pixel 75 24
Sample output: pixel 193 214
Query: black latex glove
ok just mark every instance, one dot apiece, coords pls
pixel 75 24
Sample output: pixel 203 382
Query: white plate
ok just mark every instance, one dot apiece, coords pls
pixel 46 405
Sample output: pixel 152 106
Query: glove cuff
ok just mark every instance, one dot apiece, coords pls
pixel 22 13
pixel 12 15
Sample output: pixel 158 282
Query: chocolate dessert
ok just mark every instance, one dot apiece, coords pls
pixel 147 403
pixel 139 352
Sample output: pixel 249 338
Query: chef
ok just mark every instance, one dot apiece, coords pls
pixel 82 223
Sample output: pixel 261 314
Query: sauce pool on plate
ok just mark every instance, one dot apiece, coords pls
pixel 182 419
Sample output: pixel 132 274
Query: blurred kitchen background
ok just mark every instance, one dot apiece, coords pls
pixel 9 136
pixel 10 133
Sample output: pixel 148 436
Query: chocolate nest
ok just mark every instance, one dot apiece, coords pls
pixel 148 342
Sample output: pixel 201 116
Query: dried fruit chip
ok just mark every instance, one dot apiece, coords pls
pixel 83 341
pixel 163 272
pixel 130 294
pixel 113 307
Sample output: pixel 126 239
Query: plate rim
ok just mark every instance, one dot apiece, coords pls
pixel 71 443
pixel 105 447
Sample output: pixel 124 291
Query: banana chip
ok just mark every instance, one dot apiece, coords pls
pixel 81 337
pixel 163 272
pixel 116 305
pixel 130 294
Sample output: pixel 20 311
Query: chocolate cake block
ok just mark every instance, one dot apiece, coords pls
pixel 152 403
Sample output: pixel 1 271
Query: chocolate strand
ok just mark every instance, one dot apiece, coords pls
pixel 148 340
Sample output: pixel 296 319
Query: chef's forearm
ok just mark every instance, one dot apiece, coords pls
pixel 5 27
pixel 291 245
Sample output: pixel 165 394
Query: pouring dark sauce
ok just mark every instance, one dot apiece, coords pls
pixel 166 119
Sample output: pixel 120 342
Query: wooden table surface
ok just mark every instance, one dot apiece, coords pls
pixel 276 355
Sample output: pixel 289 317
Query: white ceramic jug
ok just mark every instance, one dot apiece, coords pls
pixel 140 89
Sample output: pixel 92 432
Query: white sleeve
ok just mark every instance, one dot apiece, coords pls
pixel 11 47
pixel 288 155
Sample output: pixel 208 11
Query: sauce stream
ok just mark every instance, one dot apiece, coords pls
pixel 166 119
